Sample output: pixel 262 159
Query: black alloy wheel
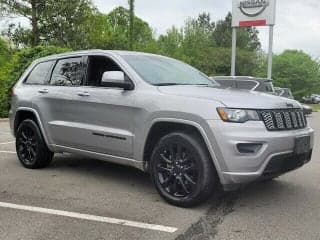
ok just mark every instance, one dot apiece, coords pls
pixel 182 170
pixel 31 148
pixel 27 145
pixel 177 170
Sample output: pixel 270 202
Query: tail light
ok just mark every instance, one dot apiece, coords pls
pixel 11 92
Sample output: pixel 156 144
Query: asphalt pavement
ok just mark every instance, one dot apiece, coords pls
pixel 81 198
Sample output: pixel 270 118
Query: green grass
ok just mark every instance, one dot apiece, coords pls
pixel 315 107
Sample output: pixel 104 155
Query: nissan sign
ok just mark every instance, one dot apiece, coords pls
pixel 247 13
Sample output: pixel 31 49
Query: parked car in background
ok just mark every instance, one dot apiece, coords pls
pixel 245 82
pixel 286 93
pixel 159 115
pixel 312 99
pixel 258 84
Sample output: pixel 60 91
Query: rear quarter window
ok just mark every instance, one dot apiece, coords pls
pixel 40 73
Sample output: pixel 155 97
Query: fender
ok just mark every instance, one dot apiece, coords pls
pixel 38 121
pixel 202 132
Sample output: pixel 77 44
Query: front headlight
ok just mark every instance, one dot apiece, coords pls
pixel 238 115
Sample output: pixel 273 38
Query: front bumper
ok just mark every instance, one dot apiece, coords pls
pixel 238 168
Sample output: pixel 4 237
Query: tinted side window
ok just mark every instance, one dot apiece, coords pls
pixel 40 73
pixel 97 65
pixel 248 85
pixel 68 72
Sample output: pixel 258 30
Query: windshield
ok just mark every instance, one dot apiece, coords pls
pixel 160 71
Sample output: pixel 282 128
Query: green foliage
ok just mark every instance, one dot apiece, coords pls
pixel 56 22
pixel 4 53
pixel 14 69
pixel 119 21
pixel 206 45
pixel 298 71
pixel 99 36
pixel 63 20
pixel 247 38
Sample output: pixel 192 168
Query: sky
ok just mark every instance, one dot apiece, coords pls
pixel 297 21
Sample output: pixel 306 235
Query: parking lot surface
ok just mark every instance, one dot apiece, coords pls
pixel 88 190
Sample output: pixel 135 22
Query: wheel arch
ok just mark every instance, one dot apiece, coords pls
pixel 161 127
pixel 24 113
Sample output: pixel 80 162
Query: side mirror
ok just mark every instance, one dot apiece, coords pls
pixel 116 79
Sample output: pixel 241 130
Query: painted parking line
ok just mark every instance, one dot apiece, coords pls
pixel 9 152
pixel 5 143
pixel 94 218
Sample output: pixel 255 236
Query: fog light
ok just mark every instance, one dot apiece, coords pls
pixel 249 147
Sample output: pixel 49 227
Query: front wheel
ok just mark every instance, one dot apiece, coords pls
pixel 31 148
pixel 182 170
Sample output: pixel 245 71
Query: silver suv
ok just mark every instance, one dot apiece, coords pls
pixel 159 115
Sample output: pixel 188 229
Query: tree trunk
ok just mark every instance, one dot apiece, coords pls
pixel 34 23
pixel 131 24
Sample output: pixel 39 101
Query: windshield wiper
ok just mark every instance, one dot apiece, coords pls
pixel 169 84
pixel 182 84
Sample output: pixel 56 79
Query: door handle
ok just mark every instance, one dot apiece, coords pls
pixel 84 94
pixel 44 91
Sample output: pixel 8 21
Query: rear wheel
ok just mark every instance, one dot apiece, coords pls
pixel 31 148
pixel 182 170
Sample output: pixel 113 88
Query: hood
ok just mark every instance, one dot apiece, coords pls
pixel 232 98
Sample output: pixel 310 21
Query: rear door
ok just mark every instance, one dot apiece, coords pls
pixel 35 86
pixel 57 104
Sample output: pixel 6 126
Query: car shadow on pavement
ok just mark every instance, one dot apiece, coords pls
pixel 97 169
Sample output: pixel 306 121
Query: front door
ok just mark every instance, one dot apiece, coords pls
pixel 104 115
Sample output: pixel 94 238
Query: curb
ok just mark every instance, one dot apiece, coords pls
pixel 4 119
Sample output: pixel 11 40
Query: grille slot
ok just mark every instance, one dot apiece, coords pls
pixel 288 119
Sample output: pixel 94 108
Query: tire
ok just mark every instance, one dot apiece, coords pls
pixel 31 148
pixel 182 170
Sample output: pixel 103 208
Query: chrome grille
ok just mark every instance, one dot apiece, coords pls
pixel 277 120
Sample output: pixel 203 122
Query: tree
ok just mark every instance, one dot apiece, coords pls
pixel 99 36
pixel 30 9
pixel 247 38
pixel 119 20
pixel 206 45
pixel 63 24
pixel 298 71
pixel 52 21
pixel 131 27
